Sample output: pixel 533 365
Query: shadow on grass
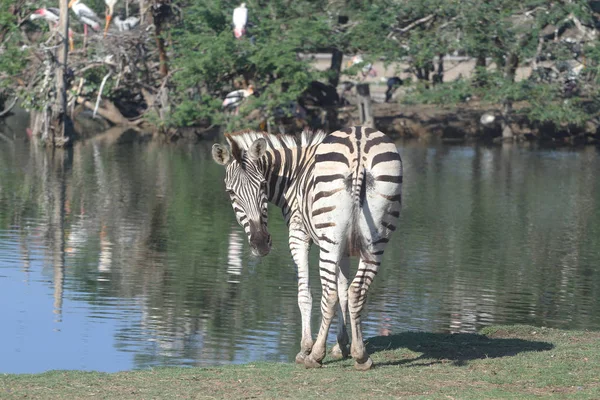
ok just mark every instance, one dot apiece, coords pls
pixel 456 348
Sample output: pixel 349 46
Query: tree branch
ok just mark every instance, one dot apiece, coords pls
pixel 414 24
pixel 10 107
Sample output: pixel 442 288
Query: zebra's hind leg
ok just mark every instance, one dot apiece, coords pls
pixel 340 350
pixel 357 296
pixel 328 270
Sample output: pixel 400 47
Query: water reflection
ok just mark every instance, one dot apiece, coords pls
pixel 128 256
pixel 234 255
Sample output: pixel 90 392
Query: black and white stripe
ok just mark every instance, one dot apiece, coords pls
pixel 341 191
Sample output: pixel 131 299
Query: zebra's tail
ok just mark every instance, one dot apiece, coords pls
pixel 356 241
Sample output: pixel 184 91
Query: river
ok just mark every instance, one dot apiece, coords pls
pixel 117 257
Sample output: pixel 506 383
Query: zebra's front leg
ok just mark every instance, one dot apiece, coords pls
pixel 328 271
pixel 300 246
pixel 340 350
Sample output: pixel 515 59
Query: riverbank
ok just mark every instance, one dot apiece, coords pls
pixel 501 362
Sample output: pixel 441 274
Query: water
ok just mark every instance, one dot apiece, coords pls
pixel 128 256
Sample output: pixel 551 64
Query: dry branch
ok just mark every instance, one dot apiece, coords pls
pixel 8 108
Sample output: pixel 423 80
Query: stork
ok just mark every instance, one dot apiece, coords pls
pixel 234 99
pixel 240 19
pixel 111 8
pixel 51 15
pixel 86 15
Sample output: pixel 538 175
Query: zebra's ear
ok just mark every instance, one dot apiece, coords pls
pixel 220 154
pixel 257 149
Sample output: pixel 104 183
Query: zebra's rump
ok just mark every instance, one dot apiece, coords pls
pixel 360 158
pixel 357 181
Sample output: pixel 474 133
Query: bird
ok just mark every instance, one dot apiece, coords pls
pixel 126 24
pixel 240 19
pixel 51 15
pixel 111 8
pixel 86 15
pixel 233 99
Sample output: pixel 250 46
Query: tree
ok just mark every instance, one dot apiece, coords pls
pixel 177 71
pixel 547 36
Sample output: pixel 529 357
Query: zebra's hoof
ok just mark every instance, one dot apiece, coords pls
pixel 339 352
pixel 310 362
pixel 300 357
pixel 364 366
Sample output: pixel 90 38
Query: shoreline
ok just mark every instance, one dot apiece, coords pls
pixel 499 362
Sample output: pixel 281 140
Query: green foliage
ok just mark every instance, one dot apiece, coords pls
pixel 451 93
pixel 210 61
pixel 206 62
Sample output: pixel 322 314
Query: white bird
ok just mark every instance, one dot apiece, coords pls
pixel 233 99
pixel 51 15
pixel 126 24
pixel 111 8
pixel 487 119
pixel 86 15
pixel 240 19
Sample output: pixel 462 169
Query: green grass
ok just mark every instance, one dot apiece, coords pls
pixel 502 362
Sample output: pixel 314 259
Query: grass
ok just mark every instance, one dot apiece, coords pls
pixel 502 362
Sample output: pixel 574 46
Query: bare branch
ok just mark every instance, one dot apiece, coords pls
pixel 10 107
pixel 590 33
pixel 415 24
pixel 100 93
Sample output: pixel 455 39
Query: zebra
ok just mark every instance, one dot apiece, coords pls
pixel 340 191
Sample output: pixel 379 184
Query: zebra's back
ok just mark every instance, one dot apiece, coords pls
pixel 356 194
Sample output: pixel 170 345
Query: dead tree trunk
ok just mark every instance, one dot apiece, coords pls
pixel 510 70
pixel 61 121
pixel 161 11
pixel 364 105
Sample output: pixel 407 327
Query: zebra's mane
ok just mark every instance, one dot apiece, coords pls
pixel 244 139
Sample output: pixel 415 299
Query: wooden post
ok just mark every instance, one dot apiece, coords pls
pixel 61 136
pixel 364 105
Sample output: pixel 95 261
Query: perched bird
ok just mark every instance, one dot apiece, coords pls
pixel 111 8
pixel 51 15
pixel 86 15
pixel 240 19
pixel 234 99
pixel 126 24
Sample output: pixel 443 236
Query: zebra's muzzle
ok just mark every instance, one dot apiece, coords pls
pixel 260 240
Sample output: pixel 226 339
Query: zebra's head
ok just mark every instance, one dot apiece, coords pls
pixel 247 189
